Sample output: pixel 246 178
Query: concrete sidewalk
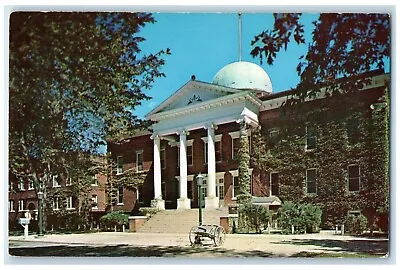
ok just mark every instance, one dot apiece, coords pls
pixel 282 245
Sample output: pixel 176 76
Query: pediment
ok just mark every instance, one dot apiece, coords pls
pixel 192 93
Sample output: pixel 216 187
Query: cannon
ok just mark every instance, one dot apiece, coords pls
pixel 199 235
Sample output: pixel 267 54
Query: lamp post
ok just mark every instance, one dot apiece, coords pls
pixel 200 179
pixel 40 198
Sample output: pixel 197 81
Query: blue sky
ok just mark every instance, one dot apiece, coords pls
pixel 203 43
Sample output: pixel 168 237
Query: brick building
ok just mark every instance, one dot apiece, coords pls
pixel 61 200
pixel 197 130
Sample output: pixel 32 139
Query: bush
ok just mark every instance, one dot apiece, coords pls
pixel 253 217
pixel 114 219
pixel 148 211
pixel 304 217
pixel 355 224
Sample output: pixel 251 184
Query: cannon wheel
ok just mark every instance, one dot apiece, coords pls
pixel 192 235
pixel 219 236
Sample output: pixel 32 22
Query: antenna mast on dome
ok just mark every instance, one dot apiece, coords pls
pixel 240 36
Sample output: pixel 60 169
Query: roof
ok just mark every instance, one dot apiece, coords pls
pixel 271 200
pixel 243 75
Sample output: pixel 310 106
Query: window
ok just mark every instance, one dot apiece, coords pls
pixel 218 149
pixel 163 189
pixel 56 183
pixel 311 142
pixel 273 135
pixel 274 184
pixel 354 177
pixel 68 181
pixel 11 206
pixel 70 204
pixel 94 201
pixel 21 205
pixel 311 180
pixel 94 181
pixel 10 186
pixel 205 152
pixel 140 194
pixel 353 133
pixel 56 203
pixel 120 164
pixel 235 147
pixel 21 184
pixel 190 189
pixel 162 158
pixel 30 185
pixel 220 189
pixel 189 155
pixel 236 190
pixel 120 195
pixel 139 160
pixel 204 189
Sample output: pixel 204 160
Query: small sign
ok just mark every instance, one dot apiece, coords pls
pixel 24 221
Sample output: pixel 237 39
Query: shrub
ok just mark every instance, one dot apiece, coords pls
pixel 253 217
pixel 148 211
pixel 114 219
pixel 304 217
pixel 355 224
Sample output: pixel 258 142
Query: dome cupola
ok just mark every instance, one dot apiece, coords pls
pixel 243 75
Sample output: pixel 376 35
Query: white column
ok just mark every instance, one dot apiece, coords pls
pixel 212 201
pixel 183 201
pixel 158 202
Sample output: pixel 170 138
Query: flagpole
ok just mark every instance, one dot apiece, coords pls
pixel 240 36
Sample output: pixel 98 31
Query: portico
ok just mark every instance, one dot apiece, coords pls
pixel 197 106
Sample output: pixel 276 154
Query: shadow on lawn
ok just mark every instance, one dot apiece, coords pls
pixel 133 251
pixel 377 247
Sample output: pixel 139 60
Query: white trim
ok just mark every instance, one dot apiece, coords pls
pixel 56 203
pixel 206 105
pixel 94 177
pixel 96 201
pixel 29 185
pixel 217 138
pixel 270 183
pixel 21 184
pixel 164 155
pixel 68 182
pixel 56 183
pixel 188 86
pixel 118 193
pixel 188 143
pixel 70 203
pixel 120 170
pixel 348 178
pixel 315 138
pixel 316 176
pixel 139 152
pixel 274 103
pixel 21 205
pixel 274 130
pixel 11 206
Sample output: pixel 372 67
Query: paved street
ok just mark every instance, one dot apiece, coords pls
pixel 110 244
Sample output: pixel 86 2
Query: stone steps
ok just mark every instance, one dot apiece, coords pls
pixel 180 221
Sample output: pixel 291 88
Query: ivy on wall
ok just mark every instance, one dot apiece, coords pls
pixel 348 130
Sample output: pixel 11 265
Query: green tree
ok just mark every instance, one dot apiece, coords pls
pixel 342 45
pixel 74 78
